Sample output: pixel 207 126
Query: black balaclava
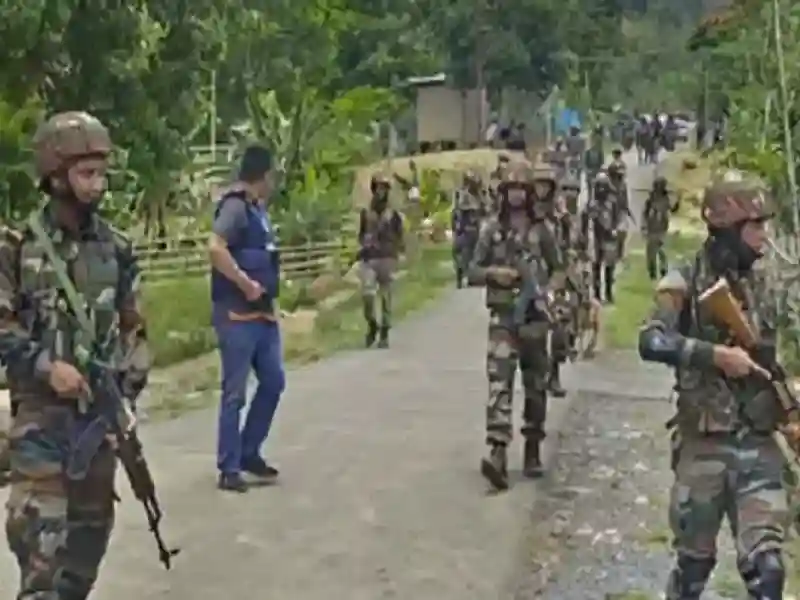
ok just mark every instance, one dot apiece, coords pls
pixel 728 253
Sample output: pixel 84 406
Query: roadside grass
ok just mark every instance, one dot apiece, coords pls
pixel 634 290
pixel 193 384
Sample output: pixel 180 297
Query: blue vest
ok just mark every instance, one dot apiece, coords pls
pixel 257 255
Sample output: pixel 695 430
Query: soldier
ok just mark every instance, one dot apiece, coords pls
pixel 726 460
pixel 617 171
pixel 496 177
pixel 58 527
pixel 515 236
pixel 468 211
pixel 604 215
pixel 655 225
pixel 380 237
pixel 576 148
pixel 594 161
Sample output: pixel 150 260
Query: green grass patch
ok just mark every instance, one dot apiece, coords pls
pixel 634 290
pixel 193 384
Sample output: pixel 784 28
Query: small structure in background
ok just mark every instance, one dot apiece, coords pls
pixel 448 118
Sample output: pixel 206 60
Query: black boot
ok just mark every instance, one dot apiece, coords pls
pixel 596 270
pixel 383 342
pixel 555 381
pixel 372 333
pixel 495 467
pixel 531 459
pixel 609 284
pixel 459 278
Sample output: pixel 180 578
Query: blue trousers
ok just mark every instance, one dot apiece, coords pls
pixel 246 345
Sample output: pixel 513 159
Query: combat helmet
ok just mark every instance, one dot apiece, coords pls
pixel 730 203
pixel 66 137
pixel 378 180
pixel 519 175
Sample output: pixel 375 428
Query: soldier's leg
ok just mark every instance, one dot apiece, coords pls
pixel 90 517
pixel 651 257
pixel 609 280
pixel 759 516
pixel 698 502
pixel 560 347
pixel 662 258
pixel 58 535
pixel 369 289
pixel 534 367
pixel 501 366
pixel 385 276
pixel 457 265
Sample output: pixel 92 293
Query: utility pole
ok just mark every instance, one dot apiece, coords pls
pixel 480 66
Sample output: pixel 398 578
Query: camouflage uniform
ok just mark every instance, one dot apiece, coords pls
pixel 513 236
pixel 655 225
pixel 594 160
pixel 469 209
pixel 380 237
pixel 58 527
pixel 619 184
pixel 495 178
pixel 601 219
pixel 565 296
pixel 576 148
pixel 726 460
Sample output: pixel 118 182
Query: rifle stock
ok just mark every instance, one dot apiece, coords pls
pixel 724 308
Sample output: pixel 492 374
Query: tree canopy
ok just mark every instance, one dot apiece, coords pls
pixel 311 76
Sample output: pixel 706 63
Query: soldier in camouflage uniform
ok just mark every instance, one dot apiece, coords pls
pixel 380 237
pixel 469 210
pixel 594 160
pixel 655 225
pixel 601 219
pixel 495 178
pixel 58 527
pixel 516 235
pixel 726 460
pixel 617 174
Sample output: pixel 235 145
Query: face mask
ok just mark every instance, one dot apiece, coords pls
pixel 728 251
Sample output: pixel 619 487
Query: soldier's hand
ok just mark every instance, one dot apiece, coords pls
pixel 66 380
pixel 735 362
pixel 252 290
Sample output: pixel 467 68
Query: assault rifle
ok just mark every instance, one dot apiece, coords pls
pixel 532 296
pixel 108 416
pixel 727 311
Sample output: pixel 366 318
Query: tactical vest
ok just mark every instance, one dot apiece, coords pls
pixel 507 248
pixel 708 402
pixel 255 254
pixel 380 239
pixel 658 214
pixel 93 267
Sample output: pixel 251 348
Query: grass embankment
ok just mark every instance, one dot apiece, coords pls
pixel 634 290
pixel 179 329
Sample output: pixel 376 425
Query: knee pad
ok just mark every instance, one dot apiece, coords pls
pixel 766 576
pixel 689 578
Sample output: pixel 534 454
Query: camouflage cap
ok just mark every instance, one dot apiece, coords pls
pixel 66 137
pixel 729 203
pixel 571 184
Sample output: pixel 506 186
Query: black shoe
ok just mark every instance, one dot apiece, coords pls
pixel 532 460
pixel 372 333
pixel 232 482
pixel 495 468
pixel 383 342
pixel 258 467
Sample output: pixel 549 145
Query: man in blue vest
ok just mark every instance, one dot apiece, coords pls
pixel 244 286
